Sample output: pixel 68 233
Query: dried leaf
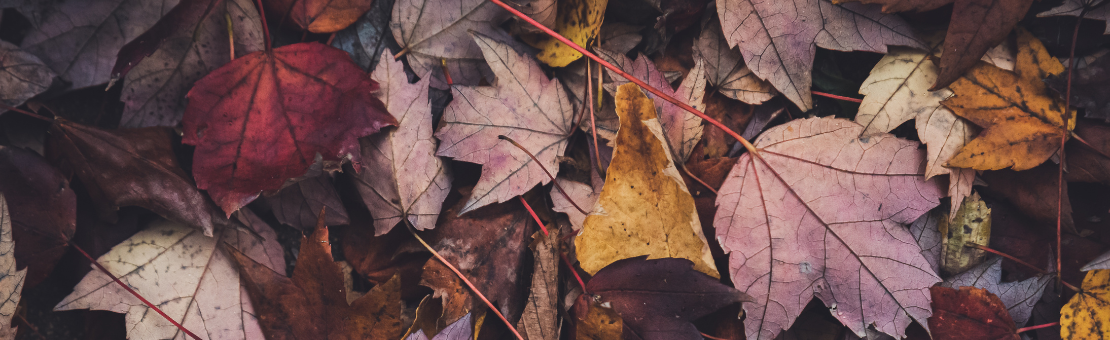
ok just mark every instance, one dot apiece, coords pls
pixel 971 225
pixel 1087 315
pixel 435 33
pixel 11 280
pixel 323 16
pixel 458 330
pixel 577 20
pixel 299 205
pixel 267 117
pixel 599 322
pixel 540 320
pixel 725 69
pixel 154 89
pixel 313 303
pixel 525 106
pixel 645 208
pixel 1091 9
pixel 1035 192
pixel 1088 86
pixel 369 36
pixel 186 275
pixel 1102 262
pixel 926 230
pixel 779 38
pixel 1022 120
pixel 584 195
pixel 977 25
pixel 894 6
pixel 1088 164
pixel 401 177
pixel 1018 297
pixel 819 214
pixel 22 75
pixel 43 210
pixel 969 313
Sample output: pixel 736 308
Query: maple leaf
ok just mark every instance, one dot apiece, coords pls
pixel 1032 194
pixel 663 306
pixel 154 88
pixel 540 319
pixel 22 75
pixel 1023 122
pixel 976 26
pixel 43 210
pixel 577 20
pixel 1102 262
pixel 725 69
pixel 458 330
pixel 266 117
pixel 1087 315
pixel 585 195
pixel 645 207
pixel 542 11
pixel 402 178
pixel 681 129
pixel 313 303
pixel 299 204
pixel 779 39
pixel 186 275
pixel 969 313
pixel 131 168
pixel 79 39
pixel 1087 164
pixel 369 36
pixel 435 34
pixel 322 16
pixel 1018 297
pixel 1090 9
pixel 525 106
pixel 11 280
pixel 819 213
pixel 1088 87
pixel 926 231
pixel 595 321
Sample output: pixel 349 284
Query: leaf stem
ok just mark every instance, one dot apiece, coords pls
pixel 1030 328
pixel 1019 261
pixel 1064 139
pixel 593 118
pixel 833 96
pixel 533 213
pixel 265 27
pixel 573 271
pixel 561 254
pixel 553 181
pixel 133 292
pixel 25 112
pixel 695 178
pixel 464 280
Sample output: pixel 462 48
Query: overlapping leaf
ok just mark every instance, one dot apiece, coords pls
pixel 820 213
pixel 268 116
pixel 22 75
pixel 1089 86
pixel 401 177
pixel 43 210
pixel 1091 9
pixel 1087 315
pixel 725 69
pixel 11 280
pixel 1018 296
pixel 434 32
pixel 526 106
pixel 577 20
pixel 322 16
pixel 778 39
pixel 969 313
pixel 299 205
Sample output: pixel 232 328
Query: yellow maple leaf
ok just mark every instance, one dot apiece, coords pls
pixel 1087 315
pixel 577 20
pixel 1023 122
pixel 645 207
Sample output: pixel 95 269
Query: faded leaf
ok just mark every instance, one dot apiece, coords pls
pixel 1019 296
pixel 525 106
pixel 820 214
pixel 401 177
pixel 577 20
pixel 927 233
pixel 458 330
pixel 43 210
pixel 11 280
pixel 131 167
pixel 1089 86
pixel 186 275
pixel 299 205
pixel 969 313
pixel 584 195
pixel 79 39
pixel 620 37
pixel 778 39
pixel 368 37
pixel 976 26
pixel 540 320
pixel 313 303
pixel 725 69
pixel 542 11
pixel 435 31
pixel 894 6
pixel 1087 315
pixel 645 208
pixel 681 129
pixel 266 117
pixel 22 75
pixel 970 225
pixel 1102 262
pixel 1086 7
pixel 1087 164
pixel 154 90
pixel 1022 120
pixel 322 16
pixel 1034 192
pixel 658 299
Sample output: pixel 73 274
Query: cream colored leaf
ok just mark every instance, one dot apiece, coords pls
pixel 11 280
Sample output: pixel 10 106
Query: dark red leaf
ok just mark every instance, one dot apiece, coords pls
pixel 299 204
pixel 43 210
pixel 969 313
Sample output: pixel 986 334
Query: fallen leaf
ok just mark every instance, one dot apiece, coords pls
pixel 583 195
pixel 1088 86
pixel 22 75
pixel 266 117
pixel 11 282
pixel 43 211
pixel 725 69
pixel 658 299
pixel 1102 262
pixel 368 37
pixel 1091 9
pixel 154 89
pixel 1018 297
pixel 401 177
pixel 819 213
pixel 926 231
pixel 1034 192
pixel 620 37
pixel 1084 163
pixel 525 106
pixel 540 320
pixel 313 303
pixel 131 167
pixel 645 208
pixel 762 115
pixel 969 313
pixel 79 39
pixel 458 330
pixel 577 20
pixel 299 205
pixel 599 322
pixel 895 6
pixel 186 275
pixel 1022 120
pixel 322 16
pixel 681 129
pixel 976 26
pixel 542 11
pixel 779 39
pixel 970 225
pixel 1087 315
pixel 435 33
pixel 379 258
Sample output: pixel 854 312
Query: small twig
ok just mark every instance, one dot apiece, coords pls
pixel 1064 139
pixel 1030 328
pixel 593 117
pixel 29 325
pixel 133 292
pixel 1084 142
pixel 688 173
pixel 330 39
pixel 1019 261
pixel 534 216
pixel 549 175
pixel 404 51
pixel 573 271
pixel 833 96
pixel 446 73
pixel 265 27
pixel 561 254
pixel 230 35
pixel 25 112
pixel 464 280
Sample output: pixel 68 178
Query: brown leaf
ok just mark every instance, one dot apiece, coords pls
pixel 540 320
pixel 1084 163
pixel 1034 192
pixel 22 75
pixel 1087 315
pixel 43 210
pixel 969 313
pixel 977 25
pixel 299 204
pixel 436 31
pixel 595 321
